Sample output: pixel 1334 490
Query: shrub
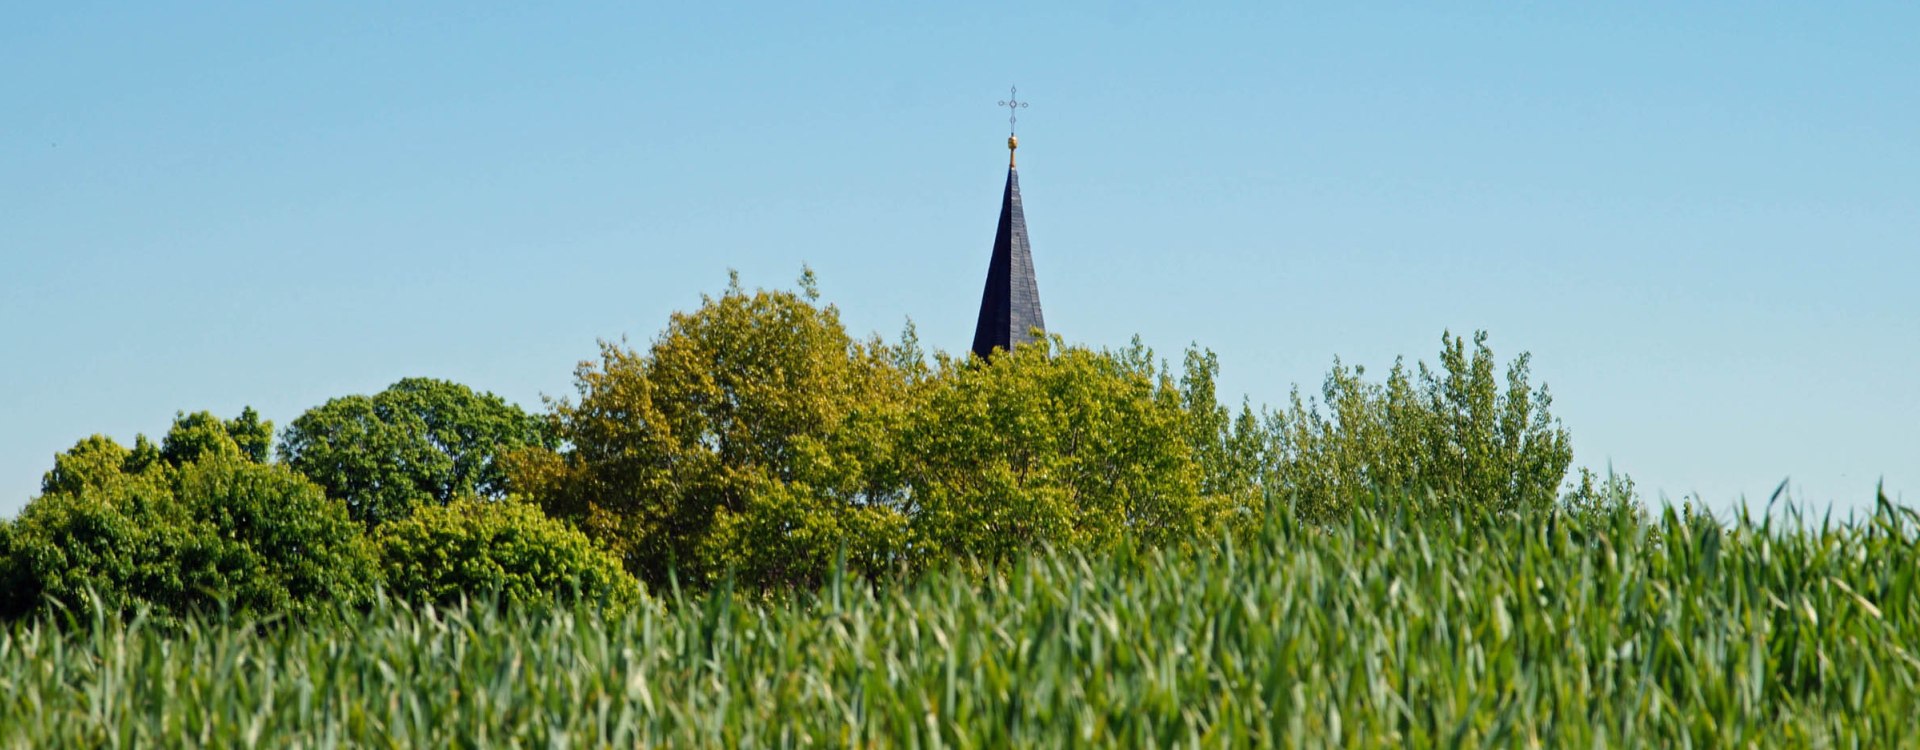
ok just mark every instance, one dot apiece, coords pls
pixel 505 548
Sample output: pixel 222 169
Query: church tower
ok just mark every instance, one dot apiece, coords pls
pixel 1010 306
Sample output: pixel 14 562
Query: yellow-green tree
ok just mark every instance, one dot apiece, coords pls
pixel 1050 445
pixel 495 548
pixel 753 435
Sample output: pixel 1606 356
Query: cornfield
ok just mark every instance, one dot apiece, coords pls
pixel 1531 631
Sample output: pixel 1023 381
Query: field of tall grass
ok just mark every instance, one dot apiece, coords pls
pixel 1537 631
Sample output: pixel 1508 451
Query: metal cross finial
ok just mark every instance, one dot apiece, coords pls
pixel 1015 105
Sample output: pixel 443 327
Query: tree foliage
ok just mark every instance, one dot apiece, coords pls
pixel 190 526
pixel 754 437
pixel 98 461
pixel 1050 445
pixel 419 442
pixel 201 434
pixel 506 548
pixel 1229 447
pixel 751 436
pixel 1454 435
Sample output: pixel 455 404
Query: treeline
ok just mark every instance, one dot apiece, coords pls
pixel 755 440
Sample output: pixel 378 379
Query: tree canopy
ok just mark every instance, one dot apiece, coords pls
pixel 752 436
pixel 1455 436
pixel 755 438
pixel 419 442
pixel 192 526
pixel 1050 445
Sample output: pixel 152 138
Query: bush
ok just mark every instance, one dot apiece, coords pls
pixel 419 442
pixel 505 548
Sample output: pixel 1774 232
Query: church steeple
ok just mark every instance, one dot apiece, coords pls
pixel 1010 306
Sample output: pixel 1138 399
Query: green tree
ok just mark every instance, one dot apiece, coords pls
pixel 117 542
pixel 98 461
pixel 1051 445
pixel 1453 437
pixel 194 436
pixel 504 548
pixel 419 442
pixel 219 530
pixel 252 435
pixel 1228 447
pixel 753 436
pixel 1593 496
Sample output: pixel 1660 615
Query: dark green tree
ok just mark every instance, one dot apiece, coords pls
pixel 419 442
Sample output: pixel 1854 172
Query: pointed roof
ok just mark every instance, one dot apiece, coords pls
pixel 1010 306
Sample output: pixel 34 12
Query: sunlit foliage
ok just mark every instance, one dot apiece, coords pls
pixel 193 526
pixel 502 550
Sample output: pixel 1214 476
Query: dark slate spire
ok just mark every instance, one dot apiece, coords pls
pixel 1010 306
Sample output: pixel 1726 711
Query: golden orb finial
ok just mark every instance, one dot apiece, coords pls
pixel 1012 144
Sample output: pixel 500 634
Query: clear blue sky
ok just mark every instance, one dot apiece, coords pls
pixel 1704 222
